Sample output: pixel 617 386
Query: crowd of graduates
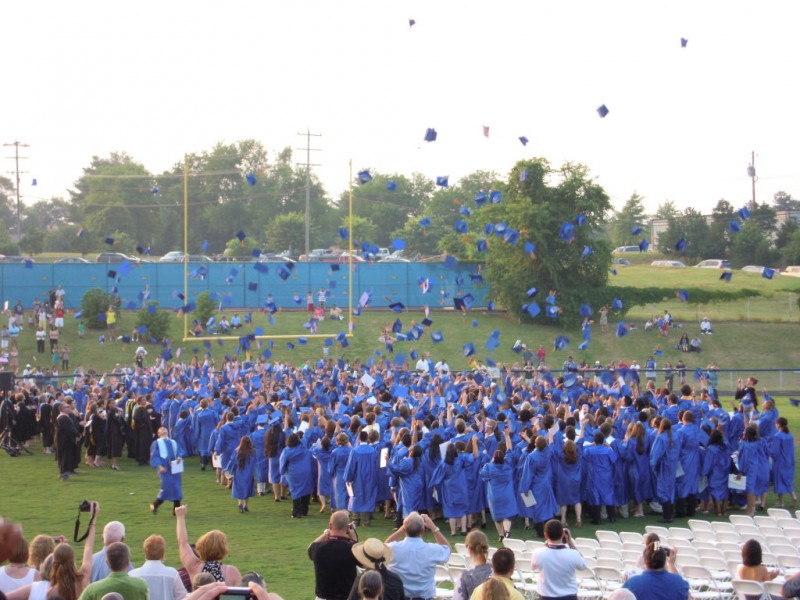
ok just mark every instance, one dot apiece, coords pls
pixel 471 446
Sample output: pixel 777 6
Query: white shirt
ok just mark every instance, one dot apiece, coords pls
pixel 163 582
pixel 557 566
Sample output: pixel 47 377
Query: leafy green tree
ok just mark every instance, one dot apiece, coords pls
pixel 766 217
pixel 750 247
pixel 286 232
pixel 94 302
pixel 32 241
pixel 157 323
pixel 622 223
pixel 205 307
pixel 538 210
pixel 790 252
pixel 241 248
pixel 719 235
pixel 785 233
pixel 690 226
pixel 783 201
pixel 667 210
pixel 6 245
pixel 363 230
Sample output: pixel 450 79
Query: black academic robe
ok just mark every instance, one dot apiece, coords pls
pixel 143 432
pixel 66 439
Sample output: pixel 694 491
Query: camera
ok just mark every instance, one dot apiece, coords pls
pixel 237 593
pixel 85 506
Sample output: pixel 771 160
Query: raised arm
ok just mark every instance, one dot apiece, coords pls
pixel 88 547
pixel 189 561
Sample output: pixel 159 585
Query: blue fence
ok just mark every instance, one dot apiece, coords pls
pixel 233 283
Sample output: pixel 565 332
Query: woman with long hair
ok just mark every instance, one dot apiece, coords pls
pixel 500 494
pixel 336 466
pixel 781 450
pixel 664 457
pixel 752 569
pixel 637 466
pixel 295 465
pixel 537 478
pixel 754 465
pixel 716 466
pixel 478 549
pixel 323 453
pixel 451 477
pixel 570 472
pixel 67 581
pixel 274 442
pixel 409 474
pixel 242 467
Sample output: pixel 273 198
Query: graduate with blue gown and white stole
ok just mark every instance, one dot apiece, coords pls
pixel 205 420
pixel 537 478
pixel 450 476
pixel 228 437
pixel 664 460
pixel 242 466
pixel 781 450
pixel 336 466
pixel 599 460
pixel 295 465
pixel 361 475
pixel 717 467
pixel 322 452
pixel 262 462
pixel 753 463
pixel 500 492
pixel 165 455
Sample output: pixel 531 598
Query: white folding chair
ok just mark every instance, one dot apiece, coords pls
pixel 458 560
pixel 730 546
pixel 445 586
pixel 783 549
pixel 762 521
pixel 748 531
pixel 777 513
pixel 752 589
pixel 699 525
pixel 631 537
pixel 455 573
pixel 790 563
pixel 702 585
pixel 612 563
pixel 611 544
pixel 662 532
pixel 631 556
pixel 609 553
pixel 588 585
pixel 584 541
pixel 705 553
pixel 603 535
pixel 461 548
pixel 514 544
pixel 774 532
pixel 681 533
pixel 741 520
pixel 609 579
pixel 788 524
pixel 729 536
pixel 721 526
pixel 586 551
pixel 704 544
pixel 705 536
pixel 533 545
pixel 774 589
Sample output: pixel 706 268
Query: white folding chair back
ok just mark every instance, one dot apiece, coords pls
pixel 774 532
pixel 445 586
pixel 699 525
pixel 608 553
pixel 662 532
pixel 788 524
pixel 603 534
pixel 719 526
pixel 774 589
pixel 614 545
pixel 745 588
pixel 762 521
pixel 586 551
pixel 584 541
pixel 748 531
pixel 732 546
pixel 533 545
pixel 609 579
pixel 705 536
pixel 633 537
pixel 741 520
pixel 729 536
pixel 455 573
pixel 702 585
pixel 461 548
pixel 514 544
pixel 783 549
pixel 612 563
pixel 680 532
pixel 458 560
pixel 777 513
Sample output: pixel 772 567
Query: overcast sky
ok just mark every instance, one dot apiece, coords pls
pixel 158 79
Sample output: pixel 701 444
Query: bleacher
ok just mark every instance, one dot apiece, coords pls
pixel 708 555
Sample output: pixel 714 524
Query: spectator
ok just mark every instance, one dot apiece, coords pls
pixel 333 558
pixel 373 555
pixel 17 573
pixel 201 579
pixel 751 568
pixel 656 583
pixel 556 563
pixel 163 582
pixel 66 580
pixel 118 557
pixel 113 532
pixel 211 548
pixel 503 564
pixel 415 560
pixel 38 589
pixel 705 326
pixel 478 549
pixel 370 587
pixel 40 548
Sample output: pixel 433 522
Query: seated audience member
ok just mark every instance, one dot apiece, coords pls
pixel 478 549
pixel 656 583
pixel 17 573
pixel 335 313
pixel 503 564
pixel 751 568
pixel 118 557
pixel 373 555
pixel 236 322
pixel 694 345
pixel 705 326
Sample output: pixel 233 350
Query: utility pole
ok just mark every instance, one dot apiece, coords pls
pixel 16 158
pixel 308 150
pixel 751 173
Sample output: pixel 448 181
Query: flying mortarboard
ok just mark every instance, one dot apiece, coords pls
pixel 644 245
pixel 768 273
pixel 495 196
pixel 616 304
pixel 391 186
pixel 424 222
pixel 437 336
pixel 523 140
pixel 252 286
pixel 109 240
pixel 364 177
pixel 427 322
pixel 567 232
pixel 450 262
pixel 682 295
pixel 587 250
pixel 398 244
pixel 744 213
pixel 735 226
pixel 532 309
pixel 551 311
pixel 622 329
pixel 261 267
pixel 461 227
pixel 561 342
pixel 251 179
pixel 584 345
pixel 442 181
pixel 430 134
pixel 469 349
pixel 397 306
pixel 680 245
pixel 586 310
pixel 684 41
pixel 481 245
pixel 240 235
pixel 636 230
pixel 726 276
pixel 111 273
pixel 794 401
pixel 602 111
pixel 283 273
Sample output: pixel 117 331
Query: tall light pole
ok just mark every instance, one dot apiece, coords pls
pixel 751 173
pixel 16 157
pixel 308 150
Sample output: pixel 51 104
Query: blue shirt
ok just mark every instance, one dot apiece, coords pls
pixel 414 561
pixel 658 585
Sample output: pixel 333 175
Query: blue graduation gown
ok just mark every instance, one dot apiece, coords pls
pixel 690 438
pixel 568 490
pixel 362 473
pixel 537 476
pixel 295 465
pixel 500 493
pixel 205 420
pixel 411 484
pixel 324 484
pixel 599 464
pixel 717 466
pixel 161 454
pixel 182 434
pixel 336 467
pixel 262 463
pixel 664 463
pixel 637 470
pixel 452 481
pixel 781 450
pixel 242 488
pixel 754 464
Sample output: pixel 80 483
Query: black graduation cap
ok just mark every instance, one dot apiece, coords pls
pixel 794 401
pixel 427 322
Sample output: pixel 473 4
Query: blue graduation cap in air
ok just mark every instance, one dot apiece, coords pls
pixel 443 181
pixel 430 134
pixel 391 185
pixel 461 226
pixel 602 111
pixel 561 342
pixel 735 226
pixel 567 232
pixel 680 245
pixel 424 222
pixel 523 140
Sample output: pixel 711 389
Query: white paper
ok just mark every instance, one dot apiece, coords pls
pixel 680 472
pixel 384 457
pixel 528 499
pixel 443 449
pixel 176 466
pixel 303 426
pixel 216 461
pixel 367 380
pixel 350 491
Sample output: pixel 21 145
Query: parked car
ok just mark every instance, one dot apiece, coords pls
pixel 115 257
pixel 72 260
pixel 676 264
pixel 321 255
pixel 622 262
pixel 793 271
pixel 16 259
pixel 757 269
pixel 174 256
pixel 357 257
pixel 624 249
pixel 198 258
pixel 394 259
pixel 714 263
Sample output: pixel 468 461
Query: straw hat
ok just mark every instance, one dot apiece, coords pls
pixel 372 552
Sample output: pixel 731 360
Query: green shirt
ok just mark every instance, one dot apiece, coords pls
pixel 131 588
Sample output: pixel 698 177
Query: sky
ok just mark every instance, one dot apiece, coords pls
pixel 160 79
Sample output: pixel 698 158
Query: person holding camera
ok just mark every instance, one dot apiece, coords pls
pixel 333 558
pixel 557 563
pixel 656 582
pixel 413 559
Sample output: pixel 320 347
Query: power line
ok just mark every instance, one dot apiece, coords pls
pixel 16 158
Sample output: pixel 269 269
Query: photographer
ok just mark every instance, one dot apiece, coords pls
pixel 556 563
pixel 334 562
pixel 657 583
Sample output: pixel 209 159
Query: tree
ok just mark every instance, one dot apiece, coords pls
pixel 667 210
pixel 719 235
pixel 539 210
pixel 94 303
pixel 691 227
pixel 785 233
pixel 765 217
pixel 286 232
pixel 790 252
pixel 750 247
pixel 783 201
pixel 240 248
pixel 33 241
pixel 363 231
pixel 631 214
